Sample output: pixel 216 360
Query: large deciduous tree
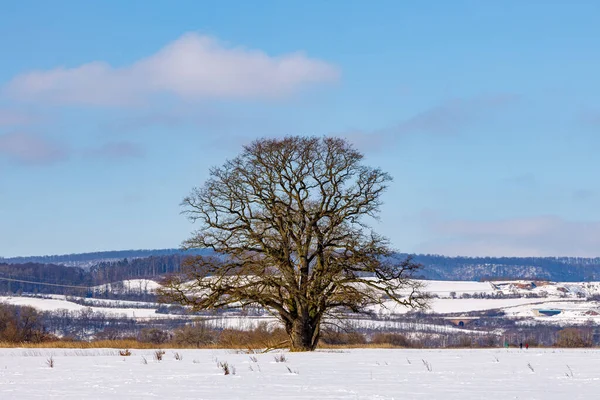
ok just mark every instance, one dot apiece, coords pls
pixel 288 220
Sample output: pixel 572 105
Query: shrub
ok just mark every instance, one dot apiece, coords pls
pixel 158 355
pixel 574 337
pixel 261 337
pixel 392 339
pixel 20 324
pixel 109 334
pixel 488 341
pixel 226 368
pixel 334 337
pixel 197 334
pixel 465 341
pixel 154 336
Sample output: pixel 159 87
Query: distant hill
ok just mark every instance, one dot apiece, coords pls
pixel 563 269
pixel 86 260
pixel 119 265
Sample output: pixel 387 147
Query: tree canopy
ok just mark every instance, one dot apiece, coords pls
pixel 288 220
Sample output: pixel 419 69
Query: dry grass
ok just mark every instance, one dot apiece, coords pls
pixel 359 346
pixel 158 355
pixel 100 344
pixel 254 341
pixel 134 344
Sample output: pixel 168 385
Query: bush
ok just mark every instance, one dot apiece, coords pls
pixel 333 337
pixel 197 334
pixel 110 334
pixel 574 337
pixel 154 336
pixel 392 339
pixel 20 324
pixel 158 355
pixel 465 341
pixel 261 337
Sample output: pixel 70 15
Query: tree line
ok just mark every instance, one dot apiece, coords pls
pixel 53 278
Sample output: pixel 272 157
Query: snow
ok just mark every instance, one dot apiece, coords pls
pixel 549 374
pixel 54 304
pixel 572 312
pixel 444 288
pixel 567 296
pixel 129 286
pixel 446 306
pixel 519 287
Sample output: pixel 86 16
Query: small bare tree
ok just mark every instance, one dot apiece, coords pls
pixel 286 219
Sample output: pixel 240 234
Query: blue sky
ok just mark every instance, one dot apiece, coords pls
pixel 487 114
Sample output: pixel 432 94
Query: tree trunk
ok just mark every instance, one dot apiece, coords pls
pixel 304 335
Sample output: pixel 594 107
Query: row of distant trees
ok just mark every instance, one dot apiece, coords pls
pixel 23 324
pixel 51 278
pixel 557 269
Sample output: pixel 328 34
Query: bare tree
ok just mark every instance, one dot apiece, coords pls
pixel 287 220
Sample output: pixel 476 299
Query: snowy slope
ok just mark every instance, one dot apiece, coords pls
pixel 56 304
pixel 128 286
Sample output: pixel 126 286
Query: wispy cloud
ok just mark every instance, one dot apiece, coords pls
pixel 193 66
pixel 9 117
pixel 197 117
pixel 454 115
pixel 583 194
pixel 526 180
pixel 590 118
pixel 533 236
pixel 447 118
pixel 30 149
pixel 116 151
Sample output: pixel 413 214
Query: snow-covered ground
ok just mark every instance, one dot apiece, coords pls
pixel 129 286
pixel 53 304
pixel 446 306
pixel 350 374
pixel 573 312
pixel 448 300
pixel 448 289
pixel 443 289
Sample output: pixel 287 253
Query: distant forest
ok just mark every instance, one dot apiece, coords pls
pixel 562 269
pixel 82 279
pixel 107 267
pixel 86 258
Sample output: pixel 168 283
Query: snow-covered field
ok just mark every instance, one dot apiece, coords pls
pixel 129 286
pixel 52 304
pixel 350 374
pixel 450 298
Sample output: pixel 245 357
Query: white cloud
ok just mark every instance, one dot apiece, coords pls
pixel 447 118
pixel 193 66
pixel 116 151
pixel 533 236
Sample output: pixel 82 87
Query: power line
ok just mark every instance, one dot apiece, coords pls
pixel 44 283
pixel 88 287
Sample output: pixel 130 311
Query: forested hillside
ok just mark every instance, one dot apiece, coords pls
pixel 52 278
pixel 564 269
pixel 22 274
pixel 90 259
